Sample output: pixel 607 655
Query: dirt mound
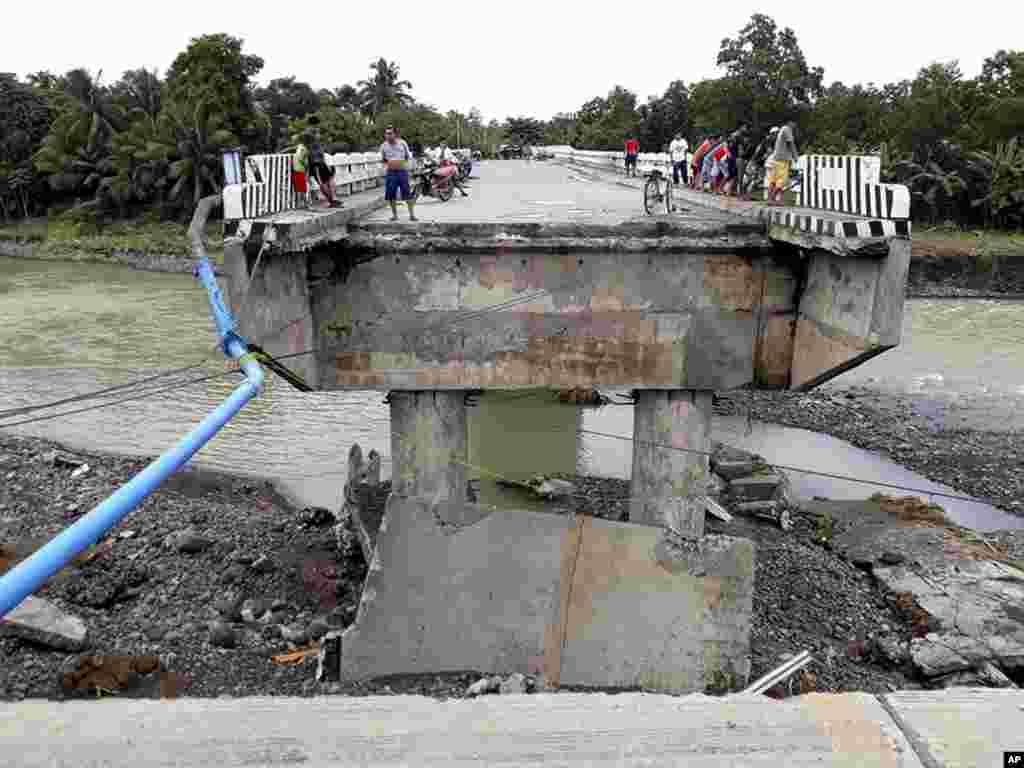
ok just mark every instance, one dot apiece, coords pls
pixel 912 510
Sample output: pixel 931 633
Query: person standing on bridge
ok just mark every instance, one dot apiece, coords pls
pixel 318 167
pixel 632 151
pixel 397 157
pixel 785 155
pixel 677 151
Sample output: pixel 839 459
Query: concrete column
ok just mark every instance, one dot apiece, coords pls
pixel 667 484
pixel 428 444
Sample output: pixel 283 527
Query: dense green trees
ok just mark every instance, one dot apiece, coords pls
pixel 112 148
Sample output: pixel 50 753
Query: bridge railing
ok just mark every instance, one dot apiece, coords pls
pixel 265 187
pixel 850 184
pixel 841 183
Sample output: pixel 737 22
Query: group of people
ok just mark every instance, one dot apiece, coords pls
pixel 720 162
pixel 309 162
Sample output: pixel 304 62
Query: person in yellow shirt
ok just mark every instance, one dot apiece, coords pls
pixel 785 155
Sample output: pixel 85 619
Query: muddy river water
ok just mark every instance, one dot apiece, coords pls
pixel 69 328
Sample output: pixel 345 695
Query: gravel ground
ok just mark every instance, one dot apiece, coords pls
pixel 173 576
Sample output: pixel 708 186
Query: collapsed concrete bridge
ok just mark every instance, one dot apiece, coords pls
pixel 549 277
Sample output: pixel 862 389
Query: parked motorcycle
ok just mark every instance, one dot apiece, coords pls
pixel 440 181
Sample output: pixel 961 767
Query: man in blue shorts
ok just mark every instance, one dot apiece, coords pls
pixel 397 157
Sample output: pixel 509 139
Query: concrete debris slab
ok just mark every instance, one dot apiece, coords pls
pixel 959 726
pixel 755 487
pixel 40 621
pixel 825 731
pixel 578 601
pixel 733 469
pixel 976 604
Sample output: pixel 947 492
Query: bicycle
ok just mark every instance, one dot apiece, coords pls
pixel 654 196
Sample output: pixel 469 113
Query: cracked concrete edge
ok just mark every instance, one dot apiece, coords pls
pixel 417 244
pixel 916 741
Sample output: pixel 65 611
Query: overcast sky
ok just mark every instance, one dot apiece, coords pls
pixel 526 58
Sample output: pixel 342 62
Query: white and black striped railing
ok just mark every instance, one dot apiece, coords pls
pixel 265 186
pixel 849 184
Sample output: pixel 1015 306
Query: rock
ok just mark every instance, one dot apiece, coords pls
pixel 263 564
pixel 892 650
pixel 294 634
pixel 318 628
pixel 317 517
pixel 254 610
pixel 233 574
pixel 40 621
pixel 733 470
pixel 82 470
pixel 154 633
pixel 480 687
pixel 760 487
pixel 891 558
pixel 768 508
pixel 222 635
pixel 230 608
pixel 63 460
pixel 514 683
pixel 190 542
pixel 986 675
pixel 551 488
pixel 271 632
pixel 242 558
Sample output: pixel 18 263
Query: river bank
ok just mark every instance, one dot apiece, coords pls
pixel 176 579
pixel 941 265
pixel 216 574
pixel 983 464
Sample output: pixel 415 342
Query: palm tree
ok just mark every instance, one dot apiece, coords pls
pixel 73 156
pixel 140 89
pixel 198 135
pixel 141 163
pixel 95 106
pixel 383 89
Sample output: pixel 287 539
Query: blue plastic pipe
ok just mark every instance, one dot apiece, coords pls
pixel 29 575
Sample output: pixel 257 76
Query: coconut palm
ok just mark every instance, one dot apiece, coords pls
pixel 140 89
pixel 383 88
pixel 95 106
pixel 198 135
pixel 73 157
pixel 141 163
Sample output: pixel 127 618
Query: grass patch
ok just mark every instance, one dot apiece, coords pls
pixel 64 237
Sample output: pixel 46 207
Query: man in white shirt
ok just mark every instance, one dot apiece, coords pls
pixel 677 151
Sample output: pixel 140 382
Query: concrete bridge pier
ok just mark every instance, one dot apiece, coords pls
pixel 429 444
pixel 671 440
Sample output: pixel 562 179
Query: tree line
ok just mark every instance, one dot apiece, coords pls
pixel 74 145
pixel 146 142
